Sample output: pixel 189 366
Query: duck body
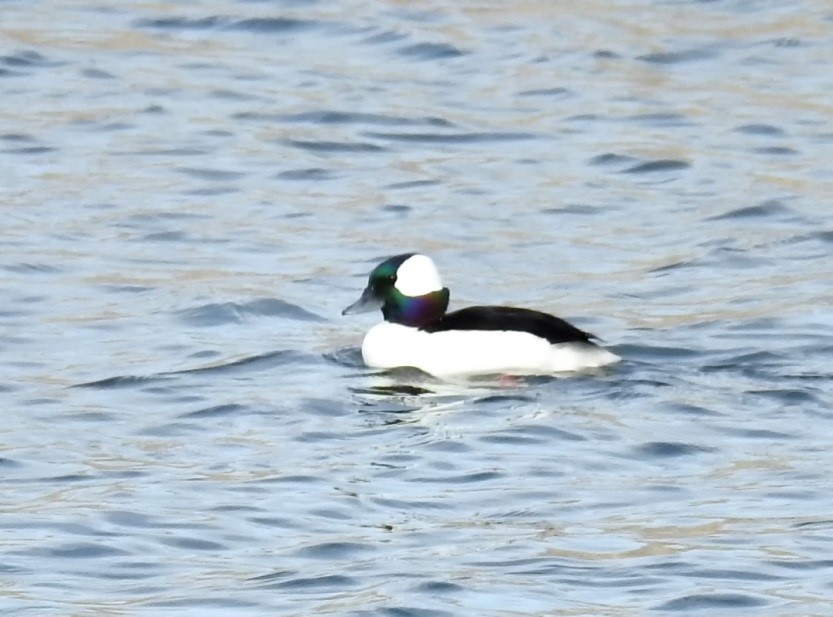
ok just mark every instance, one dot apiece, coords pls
pixel 418 332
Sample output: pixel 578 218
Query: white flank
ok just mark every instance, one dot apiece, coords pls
pixel 477 352
pixel 418 276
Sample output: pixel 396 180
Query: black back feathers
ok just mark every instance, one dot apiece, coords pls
pixel 553 329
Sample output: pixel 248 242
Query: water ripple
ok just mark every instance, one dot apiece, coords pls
pixel 764 130
pixel 713 601
pixel 768 208
pixel 657 166
pixel 311 583
pixel 335 550
pixel 255 363
pixel 430 51
pixel 679 57
pixel 661 450
pixel 313 173
pixel 335 147
pixel 260 25
pixel 231 312
pixel 28 58
pixel 343 117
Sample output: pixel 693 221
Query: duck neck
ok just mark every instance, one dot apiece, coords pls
pixel 415 311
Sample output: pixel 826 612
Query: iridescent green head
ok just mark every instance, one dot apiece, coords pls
pixel 408 290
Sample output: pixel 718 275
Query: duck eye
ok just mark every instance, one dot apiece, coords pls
pixel 383 282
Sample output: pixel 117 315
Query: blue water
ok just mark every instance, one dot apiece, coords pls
pixel 191 193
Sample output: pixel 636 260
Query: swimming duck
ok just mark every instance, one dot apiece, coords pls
pixel 418 332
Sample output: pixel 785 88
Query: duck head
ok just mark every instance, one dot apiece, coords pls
pixel 408 290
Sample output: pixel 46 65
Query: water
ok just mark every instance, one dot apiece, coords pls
pixel 191 193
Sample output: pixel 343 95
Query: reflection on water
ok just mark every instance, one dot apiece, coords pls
pixel 191 193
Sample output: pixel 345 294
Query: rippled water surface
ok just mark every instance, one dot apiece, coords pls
pixel 192 191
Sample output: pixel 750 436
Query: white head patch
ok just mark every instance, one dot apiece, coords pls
pixel 418 276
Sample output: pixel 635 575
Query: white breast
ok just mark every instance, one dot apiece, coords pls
pixel 460 352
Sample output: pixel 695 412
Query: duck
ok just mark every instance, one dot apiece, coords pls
pixel 419 332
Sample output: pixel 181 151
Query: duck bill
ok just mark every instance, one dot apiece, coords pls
pixel 368 302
